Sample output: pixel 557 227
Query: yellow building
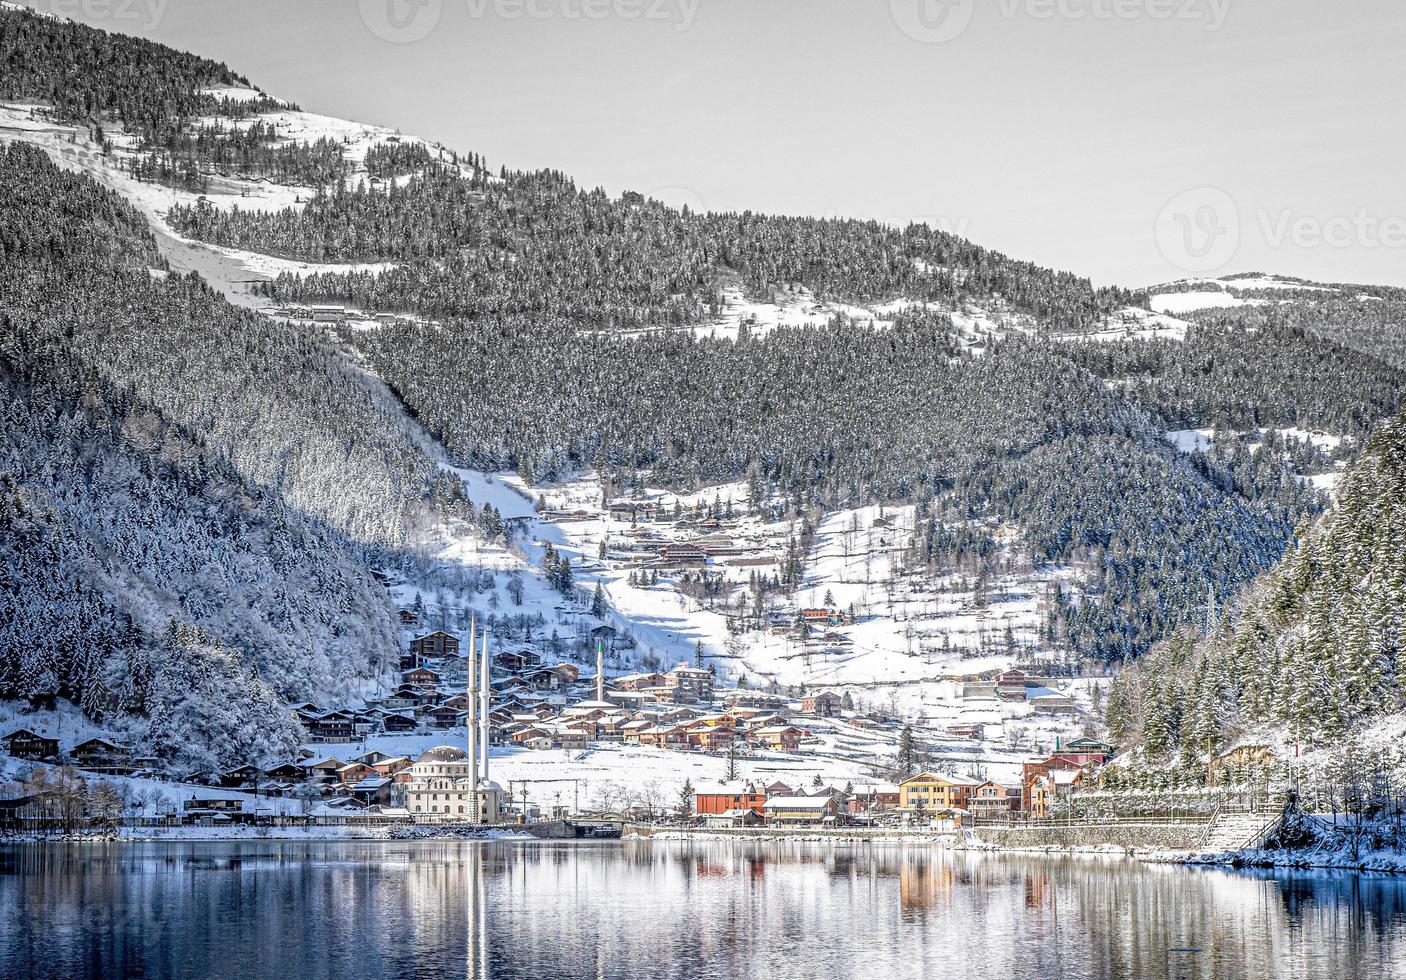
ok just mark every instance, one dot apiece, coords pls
pixel 930 793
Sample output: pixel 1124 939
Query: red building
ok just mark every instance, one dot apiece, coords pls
pixel 728 796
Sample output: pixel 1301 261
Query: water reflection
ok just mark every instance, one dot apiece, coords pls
pixel 636 910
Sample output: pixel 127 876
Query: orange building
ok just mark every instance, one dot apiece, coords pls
pixel 728 796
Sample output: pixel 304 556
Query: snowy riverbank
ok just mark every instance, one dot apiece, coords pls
pixel 1327 859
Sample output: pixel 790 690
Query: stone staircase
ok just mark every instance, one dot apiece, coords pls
pixel 1234 830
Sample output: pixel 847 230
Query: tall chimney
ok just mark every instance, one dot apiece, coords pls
pixel 473 720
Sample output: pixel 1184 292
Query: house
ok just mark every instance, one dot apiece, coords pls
pixel 723 798
pixel 552 678
pixel 931 792
pixel 443 716
pixel 782 738
pixel 354 772
pixel 421 677
pixel 438 644
pixel 712 738
pixel 734 818
pixel 1046 702
pixel 334 726
pixel 100 755
pixel 665 736
pixel 532 733
pixel 373 791
pixel 215 805
pixel 1044 769
pixel 741 698
pixel 683 554
pixel 396 723
pixel 690 683
pixel 823 704
pixel 1010 685
pixel 872 799
pixel 328 314
pixel 801 809
pixel 1038 796
pixel 993 801
pixel 825 617
pixel 516 662
pixel 245 775
pixel 972 731
pixel 639 682
pixel 631 730
pixel 324 770
pixel 408 617
pixel 390 766
pixel 1085 750
pixel 24 744
pixel 570 739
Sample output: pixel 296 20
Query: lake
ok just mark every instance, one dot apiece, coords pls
pixel 637 909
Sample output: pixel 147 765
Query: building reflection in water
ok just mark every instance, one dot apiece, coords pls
pixel 642 910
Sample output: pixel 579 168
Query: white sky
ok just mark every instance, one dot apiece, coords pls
pixel 1055 130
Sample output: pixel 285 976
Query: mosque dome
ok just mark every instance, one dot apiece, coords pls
pixel 443 753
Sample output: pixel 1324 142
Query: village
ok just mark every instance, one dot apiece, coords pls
pixel 515 701
pixel 778 701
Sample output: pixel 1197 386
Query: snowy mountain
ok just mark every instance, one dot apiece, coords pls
pixel 981 461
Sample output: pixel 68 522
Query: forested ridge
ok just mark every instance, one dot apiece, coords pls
pixel 194 493
pixel 1317 645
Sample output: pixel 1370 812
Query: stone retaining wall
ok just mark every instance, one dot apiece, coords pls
pixel 1179 836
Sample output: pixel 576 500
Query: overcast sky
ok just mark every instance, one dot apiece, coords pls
pixel 1133 141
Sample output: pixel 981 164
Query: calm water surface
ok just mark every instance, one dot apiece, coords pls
pixel 676 910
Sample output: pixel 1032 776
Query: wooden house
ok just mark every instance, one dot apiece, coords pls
pixel 421 677
pixel 24 744
pixel 100 755
pixel 1010 685
pixel 436 645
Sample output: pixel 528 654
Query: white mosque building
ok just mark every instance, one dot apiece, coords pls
pixel 441 788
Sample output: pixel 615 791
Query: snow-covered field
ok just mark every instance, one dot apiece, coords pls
pixel 1201 441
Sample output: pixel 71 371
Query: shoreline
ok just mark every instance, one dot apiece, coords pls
pixel 1377 862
